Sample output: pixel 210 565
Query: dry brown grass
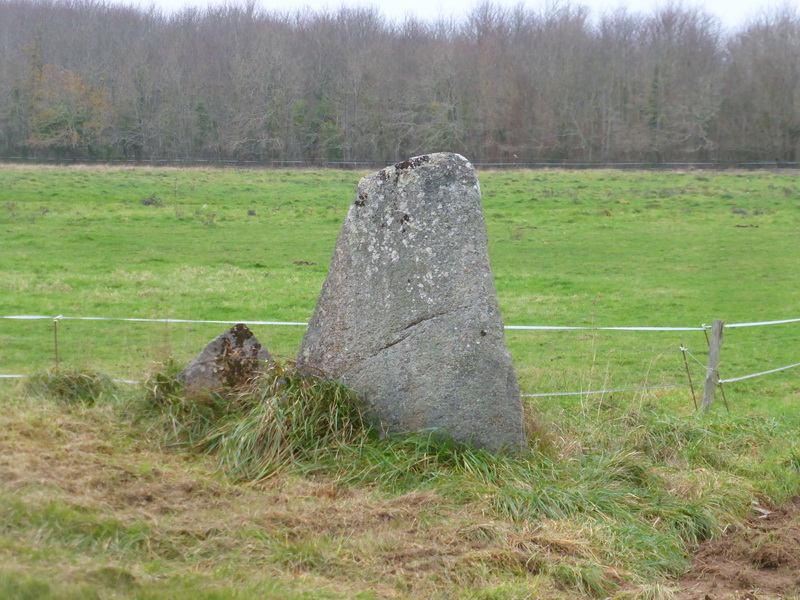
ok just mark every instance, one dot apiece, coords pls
pixel 313 533
pixel 88 495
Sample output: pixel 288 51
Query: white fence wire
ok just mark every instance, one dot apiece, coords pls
pixel 703 327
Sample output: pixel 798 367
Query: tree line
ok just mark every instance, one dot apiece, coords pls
pixel 88 79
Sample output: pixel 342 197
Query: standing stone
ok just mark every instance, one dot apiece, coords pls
pixel 408 313
pixel 228 361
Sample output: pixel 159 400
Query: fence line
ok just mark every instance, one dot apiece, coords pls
pixel 510 327
pixel 371 163
pixel 143 320
pixel 587 328
pixel 734 325
pixel 703 327
pixel 586 393
pixel 759 374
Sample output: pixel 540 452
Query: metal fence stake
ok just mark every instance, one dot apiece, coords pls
pixel 689 375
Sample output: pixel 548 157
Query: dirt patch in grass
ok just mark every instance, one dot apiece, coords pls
pixel 757 562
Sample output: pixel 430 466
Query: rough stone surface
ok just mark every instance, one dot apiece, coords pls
pixel 408 313
pixel 228 361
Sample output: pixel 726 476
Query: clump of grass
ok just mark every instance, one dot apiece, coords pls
pixel 163 385
pixel 280 418
pixel 648 591
pixel 71 387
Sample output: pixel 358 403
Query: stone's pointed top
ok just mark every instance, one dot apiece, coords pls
pixel 445 162
pixel 227 362
pixel 415 161
pixel 408 313
pixel 435 160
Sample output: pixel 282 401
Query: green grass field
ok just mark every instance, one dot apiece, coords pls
pixel 595 248
pixel 104 496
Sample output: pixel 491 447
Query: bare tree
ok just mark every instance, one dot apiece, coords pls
pixel 87 78
pixel 761 114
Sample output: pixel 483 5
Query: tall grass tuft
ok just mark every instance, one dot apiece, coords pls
pixel 71 387
pixel 183 421
pixel 284 417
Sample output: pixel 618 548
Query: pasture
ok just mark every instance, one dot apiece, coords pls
pixel 568 248
pixel 109 498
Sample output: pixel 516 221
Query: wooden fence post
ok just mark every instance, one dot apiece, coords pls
pixel 712 370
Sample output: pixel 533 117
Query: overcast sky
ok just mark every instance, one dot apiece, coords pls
pixel 732 13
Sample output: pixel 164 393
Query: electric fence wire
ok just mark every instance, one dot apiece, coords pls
pixel 508 327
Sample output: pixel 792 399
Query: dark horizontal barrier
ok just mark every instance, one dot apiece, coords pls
pixel 374 164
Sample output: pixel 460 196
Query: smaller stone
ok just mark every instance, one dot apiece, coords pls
pixel 227 362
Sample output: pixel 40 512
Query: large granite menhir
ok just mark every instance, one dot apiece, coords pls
pixel 408 313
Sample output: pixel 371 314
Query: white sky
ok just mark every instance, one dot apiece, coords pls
pixel 732 13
